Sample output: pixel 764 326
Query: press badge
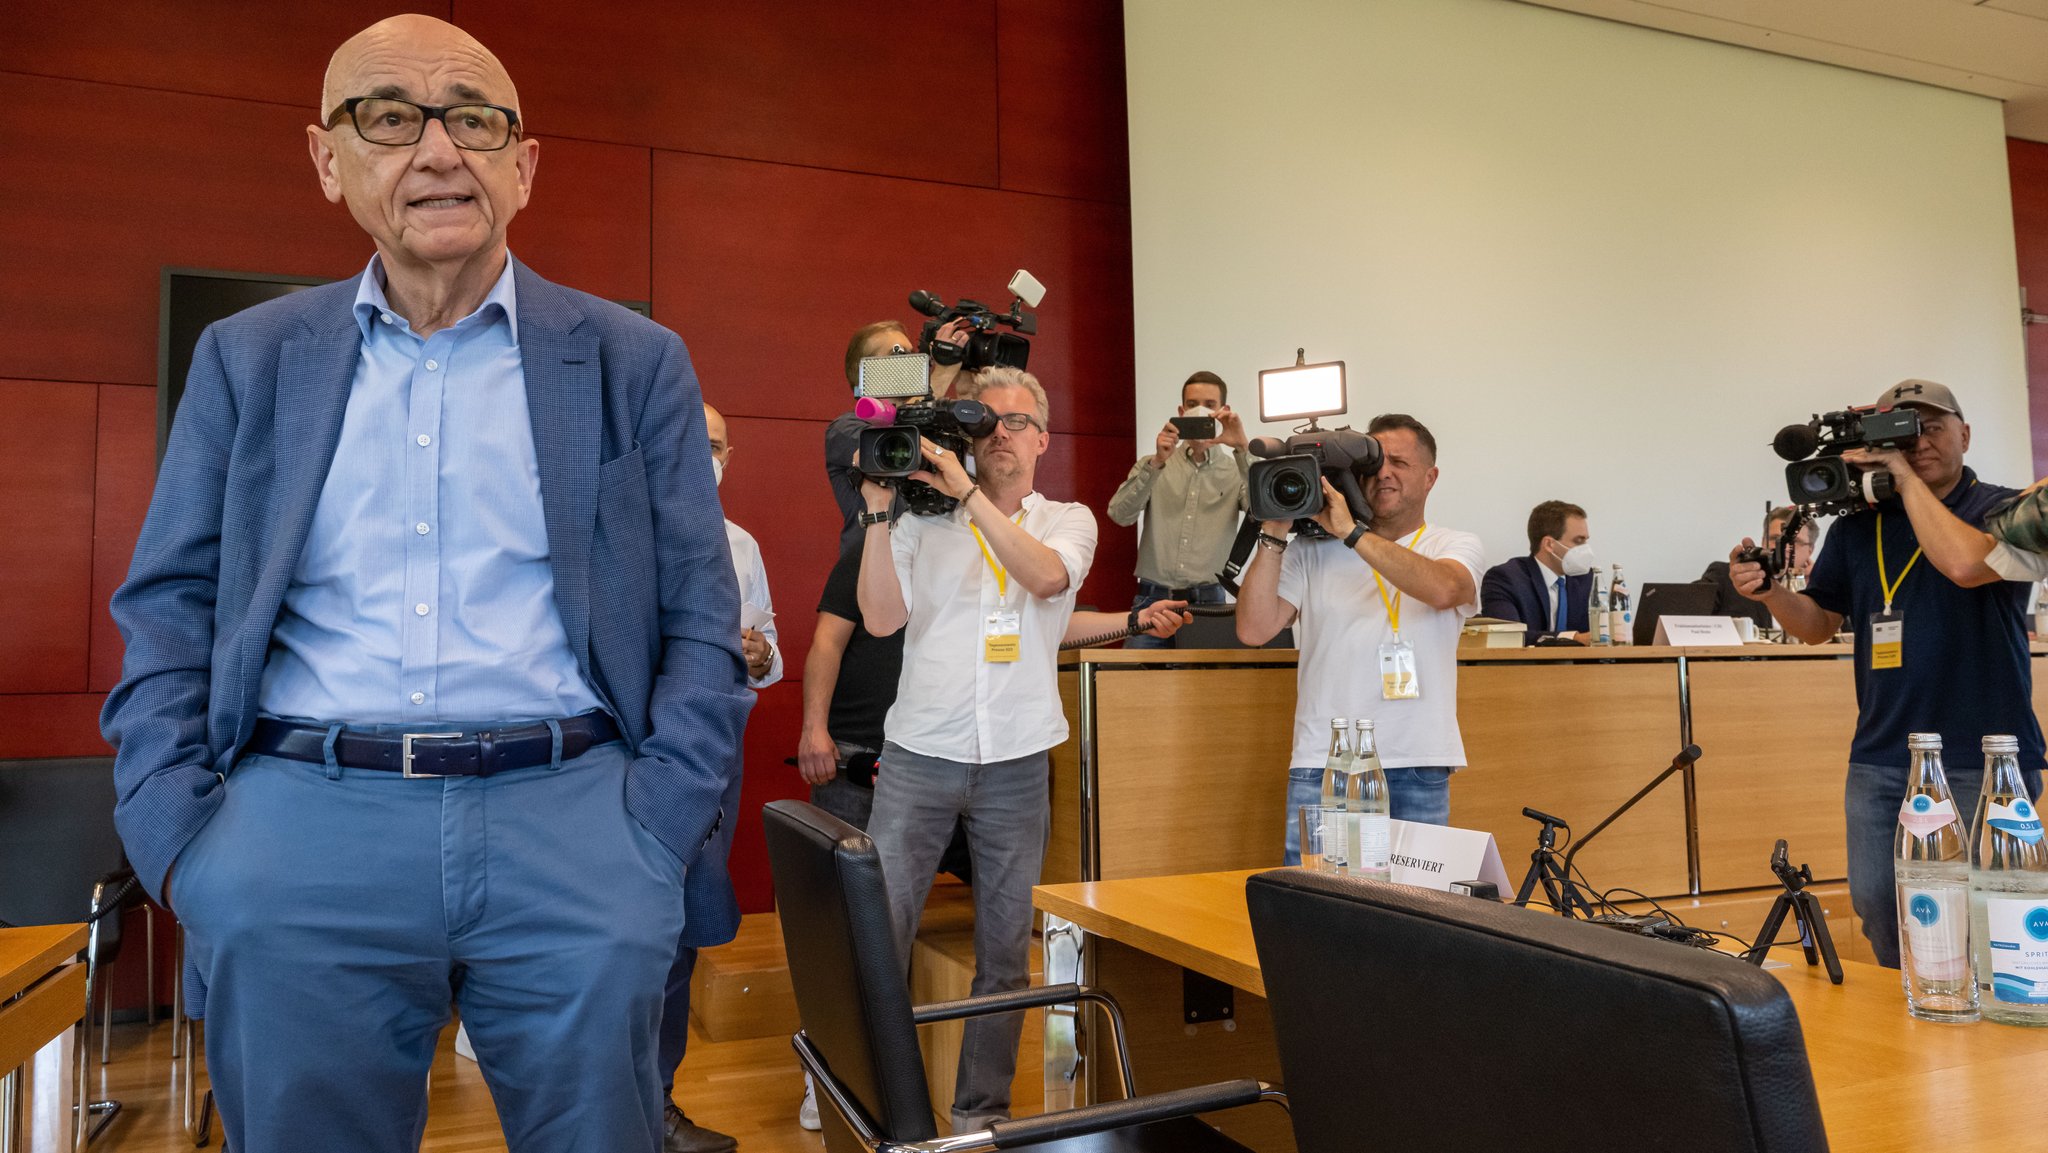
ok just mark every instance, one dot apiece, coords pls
pixel 1001 636
pixel 1887 640
pixel 1397 671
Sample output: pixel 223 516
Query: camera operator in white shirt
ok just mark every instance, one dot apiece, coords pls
pixel 986 594
pixel 1397 592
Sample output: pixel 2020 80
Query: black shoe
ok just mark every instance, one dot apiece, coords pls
pixel 682 1135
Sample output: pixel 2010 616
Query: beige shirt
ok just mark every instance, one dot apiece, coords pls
pixel 1190 513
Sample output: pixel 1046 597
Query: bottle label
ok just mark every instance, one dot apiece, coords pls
pixel 1937 931
pixel 2018 819
pixel 1375 842
pixel 1922 815
pixel 2019 949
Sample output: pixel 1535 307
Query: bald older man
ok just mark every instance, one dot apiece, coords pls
pixel 432 683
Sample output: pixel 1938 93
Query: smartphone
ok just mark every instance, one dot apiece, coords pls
pixel 1194 427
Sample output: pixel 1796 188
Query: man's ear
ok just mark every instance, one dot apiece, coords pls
pixel 319 144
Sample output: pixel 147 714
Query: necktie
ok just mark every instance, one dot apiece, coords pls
pixel 1561 602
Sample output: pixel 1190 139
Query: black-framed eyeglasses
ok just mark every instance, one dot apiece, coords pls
pixel 1019 421
pixel 397 123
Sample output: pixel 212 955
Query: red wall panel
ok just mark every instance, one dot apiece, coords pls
pixel 125 476
pixel 46 465
pixel 81 297
pixel 1066 130
pixel 766 270
pixel 51 725
pixel 906 87
pixel 2028 164
pixel 273 52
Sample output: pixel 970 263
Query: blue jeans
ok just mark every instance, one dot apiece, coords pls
pixel 333 914
pixel 1870 802
pixel 1420 795
pixel 1148 592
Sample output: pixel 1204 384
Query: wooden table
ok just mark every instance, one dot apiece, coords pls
pixel 42 993
pixel 1885 1080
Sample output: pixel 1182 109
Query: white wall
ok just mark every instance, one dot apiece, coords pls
pixel 1604 264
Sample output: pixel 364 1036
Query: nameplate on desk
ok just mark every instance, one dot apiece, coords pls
pixel 1433 856
pixel 1697 632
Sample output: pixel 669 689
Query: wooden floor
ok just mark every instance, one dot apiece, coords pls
pixel 748 1088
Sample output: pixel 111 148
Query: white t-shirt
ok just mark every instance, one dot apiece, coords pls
pixel 1342 625
pixel 950 703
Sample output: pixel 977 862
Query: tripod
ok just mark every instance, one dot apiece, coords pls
pixel 1546 866
pixel 1805 909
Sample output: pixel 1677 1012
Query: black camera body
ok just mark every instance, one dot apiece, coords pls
pixel 890 450
pixel 1286 482
pixel 1819 480
pixel 986 346
pixel 1196 427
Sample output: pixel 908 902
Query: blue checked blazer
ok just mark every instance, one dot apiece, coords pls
pixel 642 574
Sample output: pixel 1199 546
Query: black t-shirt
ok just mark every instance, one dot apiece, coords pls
pixel 871 665
pixel 1965 669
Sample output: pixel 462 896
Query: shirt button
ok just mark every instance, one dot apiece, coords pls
pixel 432 365
pixel 419 698
pixel 387 319
pixel 423 440
pixel 421 528
pixel 419 610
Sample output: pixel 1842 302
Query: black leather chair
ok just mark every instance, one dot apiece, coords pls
pixel 1414 1020
pixel 63 862
pixel 859 1037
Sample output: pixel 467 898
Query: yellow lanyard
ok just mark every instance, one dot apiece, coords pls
pixel 1002 574
pixel 1393 606
pixel 1891 588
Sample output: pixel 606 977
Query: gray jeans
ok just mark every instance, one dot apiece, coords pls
pixel 1005 806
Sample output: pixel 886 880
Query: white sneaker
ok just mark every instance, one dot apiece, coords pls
pixel 462 1046
pixel 807 1114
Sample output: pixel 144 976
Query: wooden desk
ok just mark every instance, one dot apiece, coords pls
pixel 42 993
pixel 1885 1081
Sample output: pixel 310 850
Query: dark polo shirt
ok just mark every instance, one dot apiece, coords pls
pixel 1966 671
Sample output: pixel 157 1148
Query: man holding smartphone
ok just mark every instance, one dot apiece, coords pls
pixel 1191 490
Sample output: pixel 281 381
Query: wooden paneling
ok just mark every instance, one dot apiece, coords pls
pixel 41 1014
pixel 766 270
pixel 1065 130
pixel 47 434
pixel 272 52
pixel 124 477
pixel 1575 741
pixel 1774 743
pixel 51 725
pixel 1193 768
pixel 905 88
pixel 1063 837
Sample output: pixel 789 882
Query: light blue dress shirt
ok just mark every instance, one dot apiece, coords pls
pixel 424 592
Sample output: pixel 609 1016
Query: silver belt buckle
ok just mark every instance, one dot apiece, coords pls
pixel 405 765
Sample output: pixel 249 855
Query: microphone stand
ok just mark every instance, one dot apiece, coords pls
pixel 1685 758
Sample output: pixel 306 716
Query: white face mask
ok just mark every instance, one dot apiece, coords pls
pixel 1200 410
pixel 717 471
pixel 1577 561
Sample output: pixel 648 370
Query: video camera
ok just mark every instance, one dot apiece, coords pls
pixel 985 347
pixel 889 447
pixel 1824 484
pixel 1286 482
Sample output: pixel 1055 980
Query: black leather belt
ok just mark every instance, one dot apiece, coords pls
pixel 477 754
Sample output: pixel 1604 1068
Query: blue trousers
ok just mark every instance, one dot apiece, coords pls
pixel 334 914
pixel 1870 803
pixel 1419 795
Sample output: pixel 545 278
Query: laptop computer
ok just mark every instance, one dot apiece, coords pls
pixel 1691 599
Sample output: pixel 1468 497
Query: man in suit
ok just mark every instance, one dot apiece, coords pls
pixel 1547 590
pixel 432 684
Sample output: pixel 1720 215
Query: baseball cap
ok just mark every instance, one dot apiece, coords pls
pixel 1925 393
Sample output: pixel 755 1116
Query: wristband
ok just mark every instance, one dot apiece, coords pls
pixel 1351 538
pixel 872 518
pixel 1277 544
pixel 1134 627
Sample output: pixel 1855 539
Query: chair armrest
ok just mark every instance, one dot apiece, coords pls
pixel 1001 1003
pixel 1130 1111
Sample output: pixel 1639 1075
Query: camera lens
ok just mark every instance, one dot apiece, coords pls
pixel 1817 481
pixel 1289 489
pixel 897 452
